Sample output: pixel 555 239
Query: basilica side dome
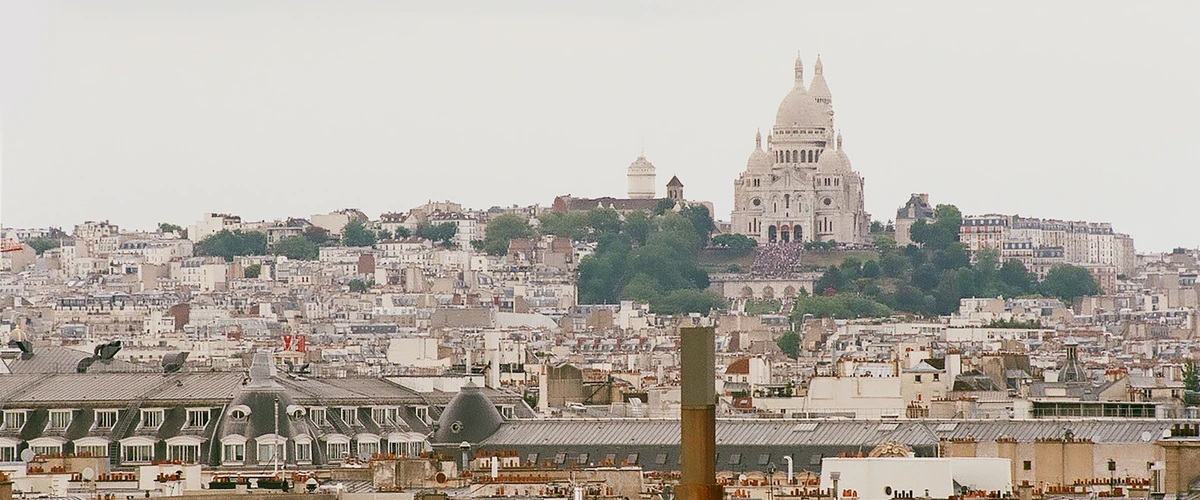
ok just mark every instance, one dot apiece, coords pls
pixel 834 160
pixel 759 159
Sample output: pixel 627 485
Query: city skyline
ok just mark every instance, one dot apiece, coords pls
pixel 992 111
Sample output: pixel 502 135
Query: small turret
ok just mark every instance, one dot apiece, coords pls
pixel 675 190
pixel 819 90
pixel 799 71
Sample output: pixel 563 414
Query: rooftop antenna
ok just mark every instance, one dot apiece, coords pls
pixel 275 445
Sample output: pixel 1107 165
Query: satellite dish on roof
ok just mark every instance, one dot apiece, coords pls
pixel 88 473
pixel 27 455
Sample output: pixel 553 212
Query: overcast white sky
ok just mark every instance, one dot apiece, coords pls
pixel 140 112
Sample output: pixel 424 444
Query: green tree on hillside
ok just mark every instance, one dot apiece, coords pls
pixel 1016 278
pixel 42 243
pixel 789 343
pixel 503 229
pixel 297 248
pixel 572 225
pixel 684 301
pixel 316 234
pixel 941 233
pixel 841 306
pixel 701 222
pixel 442 233
pixel 165 227
pixel 359 286
pixel 1191 379
pixel 229 244
pixel 663 270
pixel 356 234
pixel 604 221
pixel 638 226
pixel 737 243
pixel 1067 283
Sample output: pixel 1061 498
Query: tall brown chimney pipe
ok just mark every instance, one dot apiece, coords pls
pixel 698 426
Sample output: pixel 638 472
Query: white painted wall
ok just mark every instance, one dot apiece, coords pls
pixel 871 477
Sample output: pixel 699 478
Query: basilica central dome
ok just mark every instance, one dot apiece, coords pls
pixel 799 109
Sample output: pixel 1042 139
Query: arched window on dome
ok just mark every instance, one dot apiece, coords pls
pixel 818 155
pixel 810 156
pixel 795 154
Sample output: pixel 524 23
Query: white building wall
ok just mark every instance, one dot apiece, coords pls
pixel 880 478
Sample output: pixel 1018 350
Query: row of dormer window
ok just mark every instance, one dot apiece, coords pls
pixel 135 450
pixel 382 415
pixel 233 449
pixel 151 418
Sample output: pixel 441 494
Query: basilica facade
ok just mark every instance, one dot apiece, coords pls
pixel 801 187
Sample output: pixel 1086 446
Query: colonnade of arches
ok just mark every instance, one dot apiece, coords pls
pixel 797 155
pixel 768 293
pixel 785 233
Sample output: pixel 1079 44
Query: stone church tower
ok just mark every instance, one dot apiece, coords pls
pixel 801 187
pixel 641 179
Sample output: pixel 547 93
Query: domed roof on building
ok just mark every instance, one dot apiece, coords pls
pixel 260 406
pixel 759 159
pixel 469 417
pixel 799 108
pixel 641 164
pixel 834 160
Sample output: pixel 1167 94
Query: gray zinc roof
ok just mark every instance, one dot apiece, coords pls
pixel 729 432
pixel 587 432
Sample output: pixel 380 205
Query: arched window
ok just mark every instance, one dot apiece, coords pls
pixel 810 156
pixel 794 155
pixel 787 201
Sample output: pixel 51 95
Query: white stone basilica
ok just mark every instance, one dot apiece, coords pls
pixel 801 188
